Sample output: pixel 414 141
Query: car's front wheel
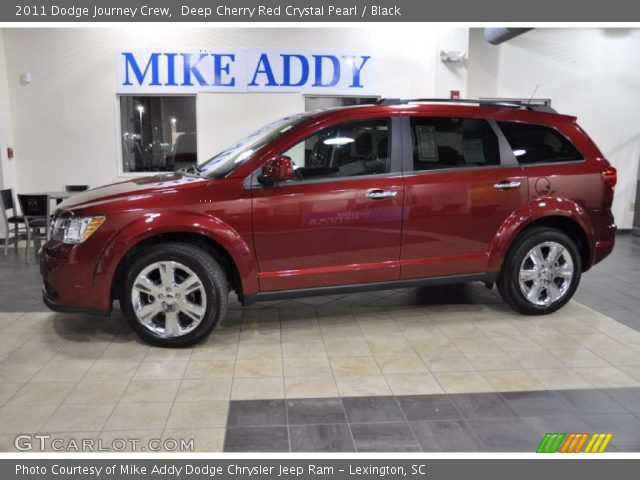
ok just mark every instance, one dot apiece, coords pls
pixel 174 295
pixel 541 272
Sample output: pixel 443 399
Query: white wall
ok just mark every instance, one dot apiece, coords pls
pixel 591 73
pixel 64 123
pixel 225 117
pixel 7 166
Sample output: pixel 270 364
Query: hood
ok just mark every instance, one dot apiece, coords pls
pixel 129 189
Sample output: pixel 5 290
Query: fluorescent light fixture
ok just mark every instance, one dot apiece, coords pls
pixel 338 141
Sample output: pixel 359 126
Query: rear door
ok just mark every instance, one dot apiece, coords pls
pixel 338 222
pixel 461 183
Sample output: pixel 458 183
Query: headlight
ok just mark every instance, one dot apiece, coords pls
pixel 75 229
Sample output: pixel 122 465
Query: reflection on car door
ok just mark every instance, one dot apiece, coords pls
pixel 339 221
pixel 458 192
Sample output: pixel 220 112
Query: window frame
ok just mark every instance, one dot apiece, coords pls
pixel 395 167
pixel 118 112
pixel 507 159
pixel 552 127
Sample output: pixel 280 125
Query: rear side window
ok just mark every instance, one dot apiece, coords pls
pixel 538 144
pixel 453 143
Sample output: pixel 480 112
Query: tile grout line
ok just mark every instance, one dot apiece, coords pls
pixel 57 407
pixel 284 387
pixel 406 421
pixel 233 377
pixel 118 402
pixel 324 342
pixel 175 396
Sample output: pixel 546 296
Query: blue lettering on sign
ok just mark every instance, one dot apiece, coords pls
pixel 130 61
pixel 335 65
pixel 171 67
pixel 264 68
pixel 355 70
pixel 190 69
pixel 304 70
pixel 242 70
pixel 222 66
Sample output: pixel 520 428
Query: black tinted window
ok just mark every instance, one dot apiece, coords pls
pixel 344 150
pixel 453 142
pixel 537 143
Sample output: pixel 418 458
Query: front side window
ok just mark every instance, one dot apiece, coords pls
pixel 442 142
pixel 244 149
pixel 344 150
pixel 158 134
pixel 538 144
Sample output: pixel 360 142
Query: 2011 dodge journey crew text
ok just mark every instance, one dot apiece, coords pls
pixel 397 194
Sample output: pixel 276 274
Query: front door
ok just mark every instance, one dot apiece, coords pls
pixel 461 184
pixel 338 221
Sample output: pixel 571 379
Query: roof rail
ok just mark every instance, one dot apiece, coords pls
pixel 536 104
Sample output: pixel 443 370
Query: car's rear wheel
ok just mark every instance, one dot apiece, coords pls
pixel 541 272
pixel 174 295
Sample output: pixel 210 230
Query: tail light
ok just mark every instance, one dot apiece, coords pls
pixel 610 176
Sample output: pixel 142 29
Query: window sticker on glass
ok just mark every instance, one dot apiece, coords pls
pixel 427 147
pixel 473 150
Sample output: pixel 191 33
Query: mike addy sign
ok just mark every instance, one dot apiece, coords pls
pixel 179 71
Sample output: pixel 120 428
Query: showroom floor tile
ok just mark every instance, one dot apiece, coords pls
pixel 434 369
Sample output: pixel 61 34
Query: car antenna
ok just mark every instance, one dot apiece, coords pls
pixel 533 94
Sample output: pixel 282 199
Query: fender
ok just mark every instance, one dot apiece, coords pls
pixel 153 224
pixel 528 214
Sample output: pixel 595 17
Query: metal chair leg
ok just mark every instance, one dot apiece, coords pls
pixel 16 237
pixel 26 258
pixel 7 231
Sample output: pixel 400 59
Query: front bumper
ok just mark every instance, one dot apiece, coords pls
pixel 69 279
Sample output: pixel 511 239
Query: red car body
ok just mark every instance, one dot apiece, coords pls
pixel 446 225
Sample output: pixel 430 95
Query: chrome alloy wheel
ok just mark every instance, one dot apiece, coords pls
pixel 168 299
pixel 546 273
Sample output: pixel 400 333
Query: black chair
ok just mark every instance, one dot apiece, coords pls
pixel 17 221
pixel 35 209
pixel 76 188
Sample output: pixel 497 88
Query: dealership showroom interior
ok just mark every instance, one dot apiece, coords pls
pixel 408 238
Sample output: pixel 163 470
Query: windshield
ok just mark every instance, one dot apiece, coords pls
pixel 242 150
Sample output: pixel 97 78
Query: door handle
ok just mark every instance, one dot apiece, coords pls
pixel 507 185
pixel 379 194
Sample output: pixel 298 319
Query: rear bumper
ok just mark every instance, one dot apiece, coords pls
pixel 605 240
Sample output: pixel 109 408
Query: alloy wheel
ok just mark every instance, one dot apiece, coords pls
pixel 168 299
pixel 546 273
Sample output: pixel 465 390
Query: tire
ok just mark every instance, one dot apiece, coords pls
pixel 174 294
pixel 546 286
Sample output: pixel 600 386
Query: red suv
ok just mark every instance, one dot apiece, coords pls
pixel 398 194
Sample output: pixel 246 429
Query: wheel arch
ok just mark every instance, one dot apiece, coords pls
pixel 225 245
pixel 217 251
pixel 550 213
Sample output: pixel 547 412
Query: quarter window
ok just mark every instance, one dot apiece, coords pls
pixel 344 150
pixel 158 133
pixel 538 144
pixel 440 142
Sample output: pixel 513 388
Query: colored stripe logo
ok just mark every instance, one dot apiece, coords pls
pixel 574 442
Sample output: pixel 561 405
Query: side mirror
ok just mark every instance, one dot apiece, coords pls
pixel 276 170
